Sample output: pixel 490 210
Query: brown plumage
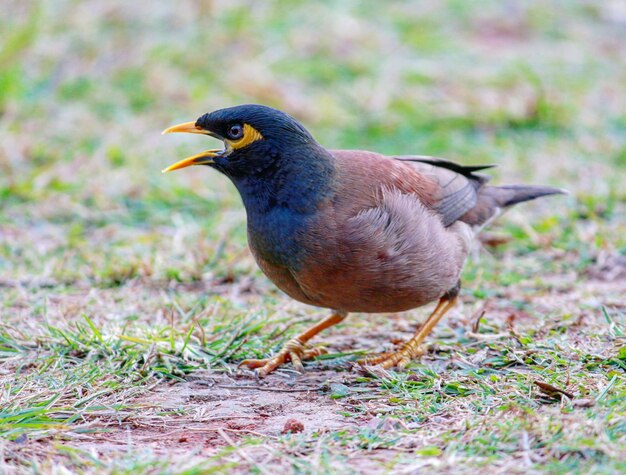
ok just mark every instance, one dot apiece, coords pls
pixel 352 231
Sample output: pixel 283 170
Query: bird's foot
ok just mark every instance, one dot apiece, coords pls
pixel 400 358
pixel 293 351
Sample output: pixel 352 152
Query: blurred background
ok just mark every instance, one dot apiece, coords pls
pixel 87 86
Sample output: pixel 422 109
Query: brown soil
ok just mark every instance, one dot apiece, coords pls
pixel 224 409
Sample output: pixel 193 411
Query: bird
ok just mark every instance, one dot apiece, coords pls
pixel 350 230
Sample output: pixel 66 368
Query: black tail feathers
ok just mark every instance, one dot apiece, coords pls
pixel 492 199
pixel 509 195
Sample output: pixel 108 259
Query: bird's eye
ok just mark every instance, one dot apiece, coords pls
pixel 235 132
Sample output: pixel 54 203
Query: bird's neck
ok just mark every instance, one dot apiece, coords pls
pixel 298 184
pixel 282 200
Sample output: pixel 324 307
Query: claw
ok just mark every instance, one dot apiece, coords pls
pixel 412 348
pixel 253 364
pixel 400 359
pixel 293 351
pixel 296 361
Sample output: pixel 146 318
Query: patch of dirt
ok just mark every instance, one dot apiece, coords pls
pixel 609 267
pixel 210 410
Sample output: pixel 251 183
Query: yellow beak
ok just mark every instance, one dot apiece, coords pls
pixel 203 158
pixel 188 127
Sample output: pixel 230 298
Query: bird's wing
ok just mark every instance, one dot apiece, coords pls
pixel 454 188
pixel 447 188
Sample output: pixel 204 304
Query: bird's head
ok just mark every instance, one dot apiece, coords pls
pixel 254 137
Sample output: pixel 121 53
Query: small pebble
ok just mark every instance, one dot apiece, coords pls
pixel 293 426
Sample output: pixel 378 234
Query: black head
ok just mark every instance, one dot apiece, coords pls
pixel 255 138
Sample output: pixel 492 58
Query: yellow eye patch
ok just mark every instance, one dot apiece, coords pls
pixel 250 134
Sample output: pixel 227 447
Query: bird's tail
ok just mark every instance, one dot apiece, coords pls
pixel 508 195
pixel 492 199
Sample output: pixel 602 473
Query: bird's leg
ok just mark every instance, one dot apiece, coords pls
pixel 294 349
pixel 411 348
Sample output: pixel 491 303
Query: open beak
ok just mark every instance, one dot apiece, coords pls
pixel 203 158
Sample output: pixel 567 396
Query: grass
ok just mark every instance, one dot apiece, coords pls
pixel 128 297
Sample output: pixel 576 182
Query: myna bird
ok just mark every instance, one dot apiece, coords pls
pixel 350 230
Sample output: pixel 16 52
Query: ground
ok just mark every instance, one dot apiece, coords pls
pixel 128 297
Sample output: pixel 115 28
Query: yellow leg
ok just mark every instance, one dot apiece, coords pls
pixel 294 349
pixel 411 348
